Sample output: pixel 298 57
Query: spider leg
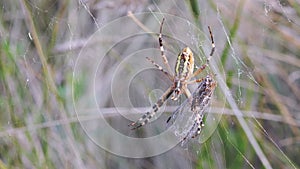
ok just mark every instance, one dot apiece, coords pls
pixel 200 80
pixel 146 117
pixel 160 68
pixel 200 69
pixel 187 92
pixel 213 46
pixel 161 47
pixel 195 81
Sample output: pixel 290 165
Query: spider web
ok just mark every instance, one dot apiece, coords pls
pixel 260 82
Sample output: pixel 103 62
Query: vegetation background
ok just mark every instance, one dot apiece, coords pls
pixel 258 46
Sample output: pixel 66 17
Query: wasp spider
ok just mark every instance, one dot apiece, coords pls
pixel 184 72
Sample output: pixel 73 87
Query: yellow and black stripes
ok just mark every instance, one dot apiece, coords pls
pixel 184 64
pixel 183 70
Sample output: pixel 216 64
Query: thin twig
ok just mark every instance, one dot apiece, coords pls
pixel 111 112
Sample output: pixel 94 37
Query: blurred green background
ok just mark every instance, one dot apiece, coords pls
pixel 258 46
